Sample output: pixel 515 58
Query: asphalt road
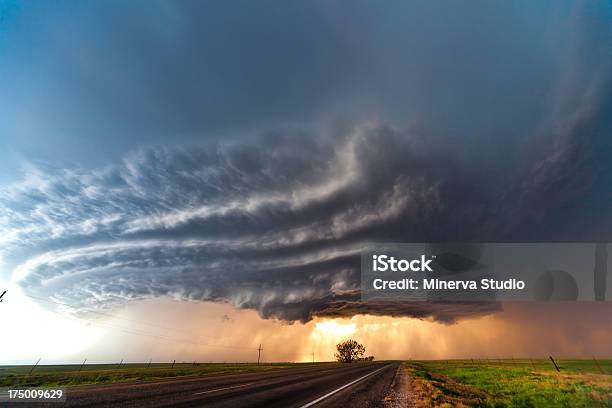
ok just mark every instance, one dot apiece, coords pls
pixel 349 385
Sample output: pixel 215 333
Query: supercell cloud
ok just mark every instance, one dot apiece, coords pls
pixel 276 225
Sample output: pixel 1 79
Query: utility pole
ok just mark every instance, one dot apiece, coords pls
pixel 259 350
pixel 313 357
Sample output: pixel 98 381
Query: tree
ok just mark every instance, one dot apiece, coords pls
pixel 349 351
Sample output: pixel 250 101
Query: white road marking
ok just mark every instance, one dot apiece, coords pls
pixel 222 389
pixel 329 394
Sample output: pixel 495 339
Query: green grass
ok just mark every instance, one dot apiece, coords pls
pixel 513 383
pixel 66 375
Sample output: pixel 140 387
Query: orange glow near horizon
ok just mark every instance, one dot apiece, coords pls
pixel 211 332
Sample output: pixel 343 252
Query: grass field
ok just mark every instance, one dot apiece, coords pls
pixel 63 375
pixel 512 383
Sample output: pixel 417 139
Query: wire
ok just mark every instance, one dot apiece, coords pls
pixel 135 331
pixel 108 314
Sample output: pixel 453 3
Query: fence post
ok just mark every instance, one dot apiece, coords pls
pixel 34 366
pixel 553 361
pixel 81 367
pixel 598 366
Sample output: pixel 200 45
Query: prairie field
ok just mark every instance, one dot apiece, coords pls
pixel 511 383
pixel 66 375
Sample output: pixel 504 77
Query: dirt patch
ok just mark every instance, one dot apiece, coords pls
pixel 436 390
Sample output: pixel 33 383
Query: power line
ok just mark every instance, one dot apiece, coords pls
pixel 138 332
pixel 107 314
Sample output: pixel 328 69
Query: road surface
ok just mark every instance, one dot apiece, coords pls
pixel 320 386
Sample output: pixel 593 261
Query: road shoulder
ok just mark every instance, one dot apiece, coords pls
pixel 401 393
